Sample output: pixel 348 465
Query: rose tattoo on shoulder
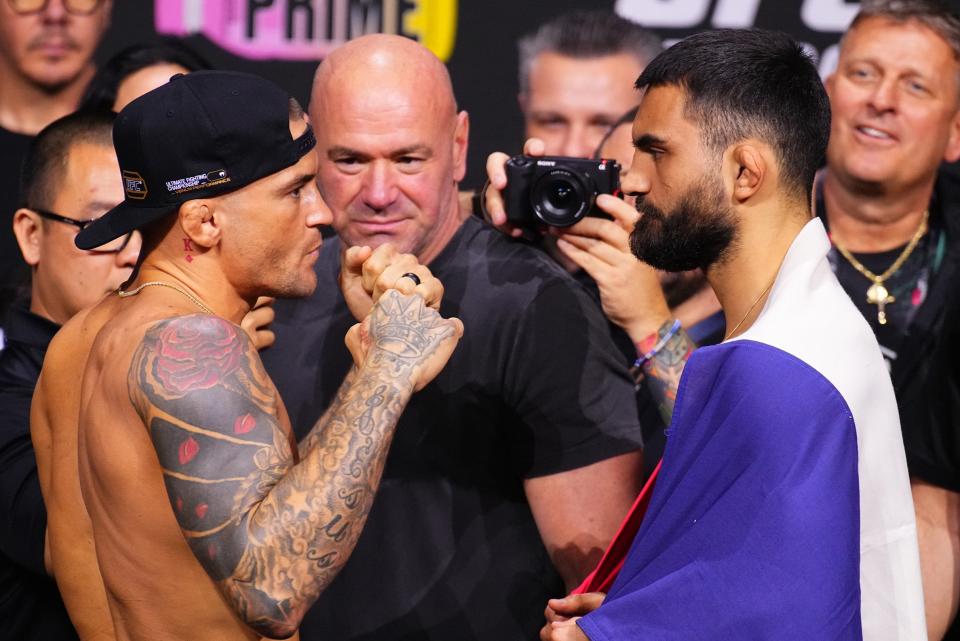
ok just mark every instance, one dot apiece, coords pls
pixel 194 353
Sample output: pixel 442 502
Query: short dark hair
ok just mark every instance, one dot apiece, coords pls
pixel 933 14
pixel 101 93
pixel 294 109
pixel 47 157
pixel 587 34
pixel 750 83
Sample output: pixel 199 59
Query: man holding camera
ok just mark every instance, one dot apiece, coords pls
pixel 576 73
pixel 509 475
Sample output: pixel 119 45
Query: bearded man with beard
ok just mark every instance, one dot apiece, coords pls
pixel 782 508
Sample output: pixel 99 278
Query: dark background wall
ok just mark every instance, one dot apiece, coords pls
pixel 483 58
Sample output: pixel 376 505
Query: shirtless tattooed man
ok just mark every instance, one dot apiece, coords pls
pixel 181 506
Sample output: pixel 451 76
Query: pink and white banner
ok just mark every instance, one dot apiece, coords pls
pixel 306 29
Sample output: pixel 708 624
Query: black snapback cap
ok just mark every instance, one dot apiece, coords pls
pixel 200 135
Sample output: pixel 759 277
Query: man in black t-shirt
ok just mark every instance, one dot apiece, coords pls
pixel 46 61
pixel 510 473
pixel 895 228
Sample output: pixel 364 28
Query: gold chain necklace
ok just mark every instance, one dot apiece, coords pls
pixel 750 309
pixel 159 283
pixel 877 294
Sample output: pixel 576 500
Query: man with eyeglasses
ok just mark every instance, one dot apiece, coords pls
pixel 46 61
pixel 69 179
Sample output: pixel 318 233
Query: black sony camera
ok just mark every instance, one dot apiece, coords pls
pixel 556 190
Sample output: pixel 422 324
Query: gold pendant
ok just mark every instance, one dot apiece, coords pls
pixel 879 296
pixel 877 293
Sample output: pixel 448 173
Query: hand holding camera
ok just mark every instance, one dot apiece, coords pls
pixel 532 190
pixel 630 291
pixel 555 190
pixel 598 242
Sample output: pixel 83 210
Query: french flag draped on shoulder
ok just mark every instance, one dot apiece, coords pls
pixel 782 508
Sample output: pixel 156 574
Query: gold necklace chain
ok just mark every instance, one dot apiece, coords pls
pixel 750 309
pixel 897 264
pixel 159 283
pixel 877 293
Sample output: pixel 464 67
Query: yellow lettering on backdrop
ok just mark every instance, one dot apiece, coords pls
pixel 434 24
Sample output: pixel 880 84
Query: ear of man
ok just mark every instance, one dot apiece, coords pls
pixel 28 229
pixel 201 223
pixel 828 83
pixel 746 170
pixel 952 152
pixel 461 139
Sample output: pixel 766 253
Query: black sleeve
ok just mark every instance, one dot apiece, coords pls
pixel 931 418
pixel 568 383
pixel 23 517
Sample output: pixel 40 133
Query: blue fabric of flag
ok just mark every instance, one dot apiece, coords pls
pixel 753 530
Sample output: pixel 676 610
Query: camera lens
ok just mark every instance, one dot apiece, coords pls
pixel 560 194
pixel 559 198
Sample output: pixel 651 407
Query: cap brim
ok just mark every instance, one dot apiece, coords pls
pixel 119 221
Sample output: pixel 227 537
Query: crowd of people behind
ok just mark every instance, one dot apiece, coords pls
pixel 724 408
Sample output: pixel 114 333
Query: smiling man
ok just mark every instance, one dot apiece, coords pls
pixel 894 220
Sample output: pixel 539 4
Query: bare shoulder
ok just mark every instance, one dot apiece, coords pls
pixel 57 389
pixel 190 361
pixel 71 347
pixel 67 346
pixel 214 420
pixel 177 413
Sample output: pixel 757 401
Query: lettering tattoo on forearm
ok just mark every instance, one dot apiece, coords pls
pixel 664 369
pixel 404 332
pixel 271 525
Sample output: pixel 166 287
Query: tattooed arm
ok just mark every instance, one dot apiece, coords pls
pixel 365 275
pixel 270 530
pixel 662 372
pixel 631 295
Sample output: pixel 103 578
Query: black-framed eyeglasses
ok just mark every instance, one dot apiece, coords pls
pixel 76 7
pixel 113 247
